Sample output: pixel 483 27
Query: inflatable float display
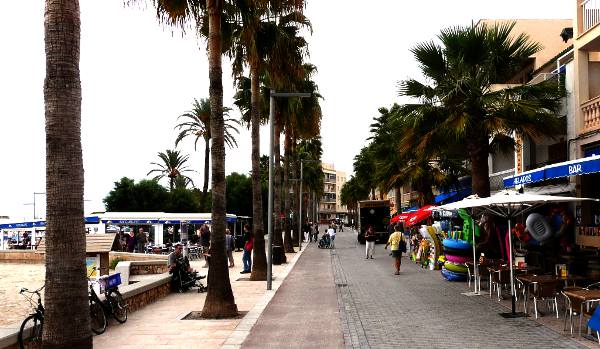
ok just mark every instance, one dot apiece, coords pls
pixel 538 227
pixel 453 276
pixel 432 250
pixel 457 252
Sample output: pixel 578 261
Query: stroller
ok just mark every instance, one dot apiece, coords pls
pixel 183 281
pixel 325 241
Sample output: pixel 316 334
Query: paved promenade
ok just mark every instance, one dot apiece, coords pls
pixel 418 309
pixel 338 299
pixel 304 312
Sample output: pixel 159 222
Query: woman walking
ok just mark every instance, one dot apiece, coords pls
pixel 370 238
pixel 398 244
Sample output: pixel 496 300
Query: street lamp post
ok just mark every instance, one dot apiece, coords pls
pixel 274 95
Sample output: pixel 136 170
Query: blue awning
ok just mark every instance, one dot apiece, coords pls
pixel 527 177
pixel 590 164
pixel 452 196
pixel 573 168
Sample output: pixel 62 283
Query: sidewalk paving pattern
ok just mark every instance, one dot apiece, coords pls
pixel 417 309
pixel 304 312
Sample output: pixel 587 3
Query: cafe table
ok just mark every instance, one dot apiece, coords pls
pixel 586 297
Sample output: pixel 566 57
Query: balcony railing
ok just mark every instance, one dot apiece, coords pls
pixel 591 114
pixel 496 179
pixel 590 13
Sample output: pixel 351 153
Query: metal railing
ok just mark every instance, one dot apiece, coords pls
pixel 590 13
pixel 497 179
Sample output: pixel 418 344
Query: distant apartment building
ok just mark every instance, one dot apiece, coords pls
pixel 330 207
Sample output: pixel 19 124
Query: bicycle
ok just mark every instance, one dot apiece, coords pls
pixel 33 325
pixel 114 304
pixel 98 320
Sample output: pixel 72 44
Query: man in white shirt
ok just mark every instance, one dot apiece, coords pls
pixel 331 233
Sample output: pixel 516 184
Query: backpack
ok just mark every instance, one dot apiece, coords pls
pixel 402 245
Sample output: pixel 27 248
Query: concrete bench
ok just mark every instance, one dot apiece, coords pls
pixel 137 270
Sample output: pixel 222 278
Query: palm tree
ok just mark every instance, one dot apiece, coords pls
pixel 173 165
pixel 398 160
pixel 219 299
pixel 459 106
pixel 251 114
pixel 66 319
pixel 219 302
pixel 197 123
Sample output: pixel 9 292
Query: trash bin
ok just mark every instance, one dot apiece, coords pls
pixel 278 255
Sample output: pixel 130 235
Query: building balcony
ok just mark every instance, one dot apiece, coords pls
pixel 591 115
pixel 590 14
pixel 588 28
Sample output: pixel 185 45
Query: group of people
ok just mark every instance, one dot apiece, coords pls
pixel 396 242
pixel 129 241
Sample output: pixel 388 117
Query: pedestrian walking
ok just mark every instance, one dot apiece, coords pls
pixel 398 245
pixel 370 238
pixel 229 247
pixel 248 245
pixel 316 232
pixel 205 243
pixel 140 241
pixel 331 233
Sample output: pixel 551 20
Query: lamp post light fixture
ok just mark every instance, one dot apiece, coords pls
pixel 274 95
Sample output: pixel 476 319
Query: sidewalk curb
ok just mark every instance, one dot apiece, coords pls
pixel 242 330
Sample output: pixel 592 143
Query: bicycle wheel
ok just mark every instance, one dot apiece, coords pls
pixel 118 305
pixel 97 317
pixel 30 333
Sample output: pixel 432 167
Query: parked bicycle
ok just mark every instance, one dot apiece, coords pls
pixel 114 305
pixel 30 333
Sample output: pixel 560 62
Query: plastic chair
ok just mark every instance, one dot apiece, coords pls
pixel 572 307
pixel 545 290
pixel 501 278
pixel 594 323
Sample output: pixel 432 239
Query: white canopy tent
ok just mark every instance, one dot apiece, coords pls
pixel 509 204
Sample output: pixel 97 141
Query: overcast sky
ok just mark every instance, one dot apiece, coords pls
pixel 137 77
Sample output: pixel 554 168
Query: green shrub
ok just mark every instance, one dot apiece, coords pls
pixel 114 262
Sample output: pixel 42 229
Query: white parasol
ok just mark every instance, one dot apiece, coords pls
pixel 509 204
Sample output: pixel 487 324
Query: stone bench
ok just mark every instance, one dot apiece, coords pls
pixel 134 271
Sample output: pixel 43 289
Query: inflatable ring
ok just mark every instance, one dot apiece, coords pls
pixel 458 252
pixel 539 227
pixel 457 244
pixel 457 268
pixel 457 259
pixel 452 276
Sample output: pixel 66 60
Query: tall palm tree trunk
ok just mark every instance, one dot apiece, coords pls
pixel 287 235
pixel 204 199
pixel 259 262
pixel 479 150
pixel 219 302
pixel 277 238
pixel 67 314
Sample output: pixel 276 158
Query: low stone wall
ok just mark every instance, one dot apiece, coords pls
pixel 126 256
pixel 148 267
pixel 147 291
pixel 21 256
pixel 136 295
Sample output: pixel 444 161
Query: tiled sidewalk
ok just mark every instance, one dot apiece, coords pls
pixel 159 324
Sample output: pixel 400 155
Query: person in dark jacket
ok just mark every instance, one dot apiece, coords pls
pixel 248 245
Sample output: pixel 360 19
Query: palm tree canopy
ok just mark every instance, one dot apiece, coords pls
pixel 197 123
pixel 172 165
pixel 461 72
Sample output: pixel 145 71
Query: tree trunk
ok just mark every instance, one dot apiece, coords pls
pixel 219 302
pixel 67 313
pixel 288 243
pixel 259 262
pixel 277 238
pixel 204 201
pixel 479 150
